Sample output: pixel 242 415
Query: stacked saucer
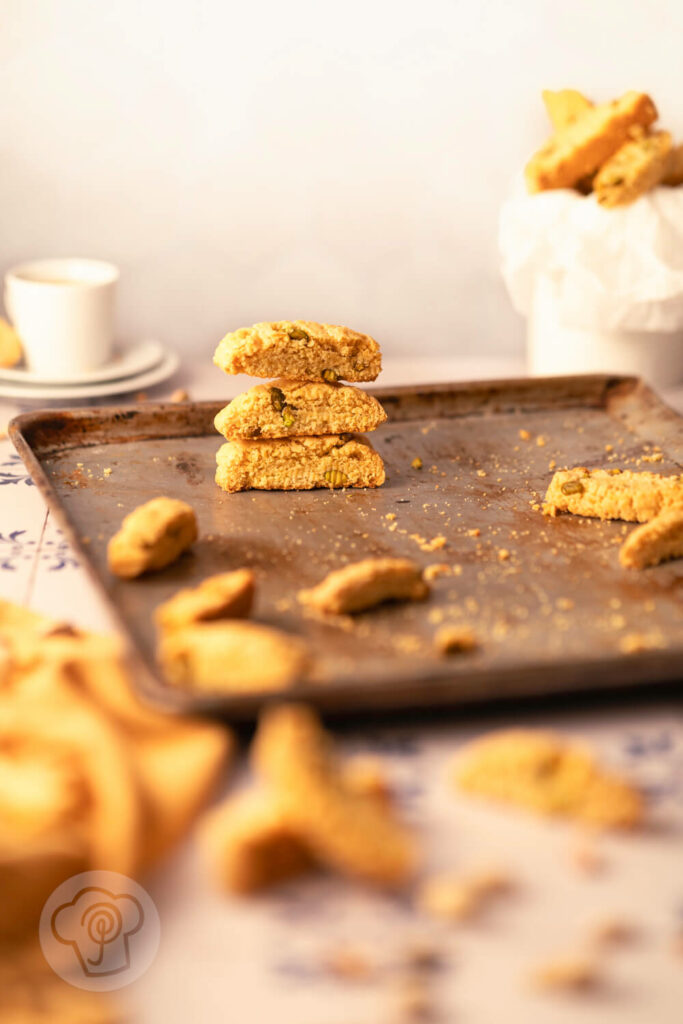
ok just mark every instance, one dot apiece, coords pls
pixel 304 429
pixel 133 367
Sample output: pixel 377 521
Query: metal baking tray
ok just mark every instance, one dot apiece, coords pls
pixel 546 598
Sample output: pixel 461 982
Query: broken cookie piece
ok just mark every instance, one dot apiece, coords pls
pixel 366 584
pixel 634 497
pixel 656 541
pixel 542 772
pixel 352 833
pixel 287 408
pixel 228 595
pixel 151 537
pixel 301 350
pixel 232 657
pixel 299 464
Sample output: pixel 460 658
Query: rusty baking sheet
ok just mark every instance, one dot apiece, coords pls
pixel 546 597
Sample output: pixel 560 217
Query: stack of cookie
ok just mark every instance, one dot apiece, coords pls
pixel 303 429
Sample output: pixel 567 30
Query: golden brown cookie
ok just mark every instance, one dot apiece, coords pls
pixel 634 169
pixel 605 494
pixel 151 537
pixel 299 464
pixel 590 140
pixel 365 584
pixel 353 834
pixel 300 350
pixel 228 595
pixel 656 541
pixel 564 106
pixel 10 345
pixel 546 774
pixel 232 657
pixel 288 408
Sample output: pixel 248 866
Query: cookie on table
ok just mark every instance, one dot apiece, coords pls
pixel 349 832
pixel 366 584
pixel 564 106
pixel 228 595
pixel 299 464
pixel 544 773
pixel 151 537
pixel 656 541
pixel 612 494
pixel 591 139
pixel 300 349
pixel 288 408
pixel 634 169
pixel 10 345
pixel 232 657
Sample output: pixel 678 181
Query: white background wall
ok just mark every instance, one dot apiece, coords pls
pixel 343 162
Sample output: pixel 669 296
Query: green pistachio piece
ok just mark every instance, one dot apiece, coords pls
pixel 277 399
pixel 297 334
pixel 287 416
pixel 336 478
pixel 331 376
pixel 572 487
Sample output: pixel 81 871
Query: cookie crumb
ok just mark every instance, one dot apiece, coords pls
pixel 416 463
pixel 577 973
pixel 348 963
pixel 524 435
pixel 179 395
pixel 455 639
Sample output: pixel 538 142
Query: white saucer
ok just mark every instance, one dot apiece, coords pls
pixel 128 360
pixel 147 379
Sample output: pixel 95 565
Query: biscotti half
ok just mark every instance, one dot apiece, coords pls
pixel 290 408
pixel 300 349
pixel 299 463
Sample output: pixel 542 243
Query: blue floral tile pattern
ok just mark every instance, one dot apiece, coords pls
pixel 13 471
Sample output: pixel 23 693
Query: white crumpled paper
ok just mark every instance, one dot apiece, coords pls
pixel 617 269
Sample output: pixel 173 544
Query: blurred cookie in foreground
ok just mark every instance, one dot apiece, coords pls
pixel 349 832
pixel 228 595
pixel 301 350
pixel 232 657
pixel 299 464
pixel 11 351
pixel 151 537
pixel 546 774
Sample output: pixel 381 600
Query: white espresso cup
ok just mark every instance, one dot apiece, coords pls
pixel 63 312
